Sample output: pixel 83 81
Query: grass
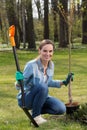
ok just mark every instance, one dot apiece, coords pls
pixel 13 118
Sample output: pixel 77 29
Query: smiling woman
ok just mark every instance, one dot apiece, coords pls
pixel 37 77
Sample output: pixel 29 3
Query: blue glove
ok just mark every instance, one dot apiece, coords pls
pixel 19 75
pixel 69 77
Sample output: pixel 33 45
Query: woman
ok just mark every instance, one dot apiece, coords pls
pixel 37 77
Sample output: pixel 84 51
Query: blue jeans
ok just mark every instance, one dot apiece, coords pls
pixel 40 103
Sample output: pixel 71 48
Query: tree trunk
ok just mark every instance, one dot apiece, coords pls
pixel 23 22
pixel 84 22
pixel 38 5
pixel 0 22
pixel 46 20
pixel 30 26
pixel 12 19
pixel 55 26
pixel 63 24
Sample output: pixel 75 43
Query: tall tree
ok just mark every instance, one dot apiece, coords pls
pixel 30 26
pixel 84 22
pixel 0 22
pixel 3 23
pixel 23 22
pixel 13 20
pixel 55 26
pixel 61 7
pixel 46 19
pixel 63 25
pixel 38 5
pixel 54 12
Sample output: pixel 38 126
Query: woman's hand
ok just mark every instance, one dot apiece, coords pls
pixel 67 80
pixel 19 76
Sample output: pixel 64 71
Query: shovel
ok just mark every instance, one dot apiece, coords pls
pixel 11 35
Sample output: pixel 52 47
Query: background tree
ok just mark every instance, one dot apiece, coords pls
pixel 55 17
pixel 38 5
pixel 13 20
pixel 3 23
pixel 30 26
pixel 46 19
pixel 63 25
pixel 84 22
pixel 31 29
pixel 23 19
pixel 61 7
pixel 0 22
pixel 55 26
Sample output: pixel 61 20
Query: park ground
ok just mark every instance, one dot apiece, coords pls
pixel 13 118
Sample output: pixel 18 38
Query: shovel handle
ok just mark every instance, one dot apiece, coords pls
pixel 12 34
pixel 12 40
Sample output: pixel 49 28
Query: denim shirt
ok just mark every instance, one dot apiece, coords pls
pixel 34 74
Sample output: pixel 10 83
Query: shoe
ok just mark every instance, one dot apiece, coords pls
pixel 39 120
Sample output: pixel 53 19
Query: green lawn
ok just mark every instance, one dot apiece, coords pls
pixel 13 118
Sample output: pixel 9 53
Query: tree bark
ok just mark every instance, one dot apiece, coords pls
pixel 13 20
pixel 63 26
pixel 38 5
pixel 55 26
pixel 30 26
pixel 46 20
pixel 84 22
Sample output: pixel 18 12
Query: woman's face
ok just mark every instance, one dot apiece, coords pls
pixel 46 52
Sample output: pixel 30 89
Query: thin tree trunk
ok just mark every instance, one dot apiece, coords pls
pixel 23 23
pixel 55 26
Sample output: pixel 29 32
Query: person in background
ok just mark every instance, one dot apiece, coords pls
pixel 37 78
